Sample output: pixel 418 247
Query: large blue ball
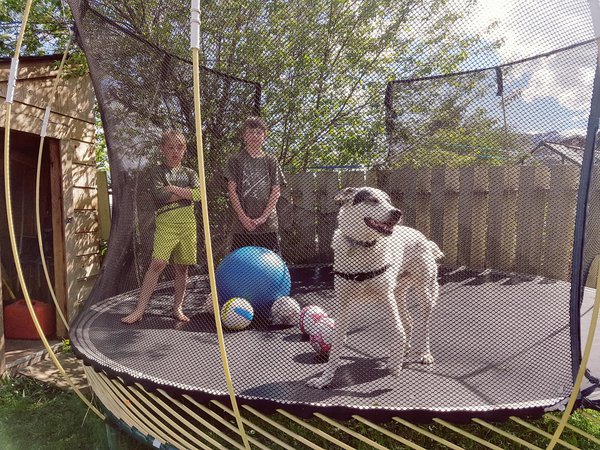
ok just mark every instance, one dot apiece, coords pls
pixel 257 274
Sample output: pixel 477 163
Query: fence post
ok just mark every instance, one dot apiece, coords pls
pixel 352 179
pixel 423 201
pixel 327 186
pixel 285 218
pixel 592 238
pixel 481 191
pixel 472 217
pixel 400 185
pixel 562 206
pixel 303 229
pixel 451 210
pixel 504 184
pixel 534 183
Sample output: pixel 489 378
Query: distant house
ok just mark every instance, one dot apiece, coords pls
pixel 552 153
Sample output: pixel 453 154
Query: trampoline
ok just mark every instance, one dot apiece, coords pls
pixel 489 360
pixel 449 144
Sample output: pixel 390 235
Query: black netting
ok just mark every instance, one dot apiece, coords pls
pixel 144 89
pixel 472 132
pixel 487 116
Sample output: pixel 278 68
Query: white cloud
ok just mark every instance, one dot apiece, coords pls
pixel 559 77
pixel 574 132
pixel 532 27
pixel 529 28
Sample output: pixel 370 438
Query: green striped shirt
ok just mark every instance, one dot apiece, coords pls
pixel 181 211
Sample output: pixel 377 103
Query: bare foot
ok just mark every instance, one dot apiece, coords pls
pixel 179 315
pixel 133 317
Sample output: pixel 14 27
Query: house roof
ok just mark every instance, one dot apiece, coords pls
pixel 569 152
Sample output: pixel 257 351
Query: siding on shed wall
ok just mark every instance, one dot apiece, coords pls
pixel 72 124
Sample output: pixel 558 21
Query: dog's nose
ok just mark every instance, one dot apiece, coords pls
pixel 396 215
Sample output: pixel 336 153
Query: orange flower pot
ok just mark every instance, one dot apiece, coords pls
pixel 19 325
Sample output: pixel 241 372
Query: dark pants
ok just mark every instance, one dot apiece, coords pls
pixel 266 240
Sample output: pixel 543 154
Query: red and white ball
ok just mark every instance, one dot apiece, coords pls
pixel 309 317
pixel 322 339
pixel 285 311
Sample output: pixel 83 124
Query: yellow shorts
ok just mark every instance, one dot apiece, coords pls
pixel 175 242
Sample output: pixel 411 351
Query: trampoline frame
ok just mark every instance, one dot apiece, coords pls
pixel 132 396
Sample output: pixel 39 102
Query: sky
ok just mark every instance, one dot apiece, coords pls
pixel 534 27
pixel 555 91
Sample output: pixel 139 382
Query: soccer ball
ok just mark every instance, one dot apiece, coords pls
pixel 322 339
pixel 309 317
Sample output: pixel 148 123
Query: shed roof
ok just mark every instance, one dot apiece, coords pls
pixel 57 57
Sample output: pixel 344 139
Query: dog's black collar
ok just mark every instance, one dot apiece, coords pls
pixel 356 242
pixel 361 276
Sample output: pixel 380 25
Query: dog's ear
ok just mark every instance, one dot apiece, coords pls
pixel 345 196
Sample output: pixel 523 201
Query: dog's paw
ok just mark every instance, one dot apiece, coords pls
pixel 407 349
pixel 319 382
pixel 426 358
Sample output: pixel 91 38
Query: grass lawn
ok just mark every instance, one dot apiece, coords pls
pixel 34 415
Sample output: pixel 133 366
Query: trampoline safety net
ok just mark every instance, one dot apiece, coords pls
pixel 402 199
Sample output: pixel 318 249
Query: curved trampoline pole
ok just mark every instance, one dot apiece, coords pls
pixel 591 134
pixel 195 45
pixel 38 222
pixel 582 367
pixel 9 215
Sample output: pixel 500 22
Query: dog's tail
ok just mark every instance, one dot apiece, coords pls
pixel 435 250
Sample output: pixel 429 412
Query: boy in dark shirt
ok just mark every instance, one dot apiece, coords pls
pixel 254 181
pixel 174 189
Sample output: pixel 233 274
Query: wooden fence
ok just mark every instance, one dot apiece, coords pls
pixel 509 218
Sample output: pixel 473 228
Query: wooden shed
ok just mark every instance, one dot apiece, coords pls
pixel 69 202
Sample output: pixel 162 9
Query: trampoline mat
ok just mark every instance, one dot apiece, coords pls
pixel 500 342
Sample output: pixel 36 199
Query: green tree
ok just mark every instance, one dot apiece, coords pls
pixel 451 121
pixel 47 31
pixel 323 66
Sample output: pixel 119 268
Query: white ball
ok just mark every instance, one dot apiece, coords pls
pixel 237 313
pixel 322 339
pixel 285 311
pixel 309 317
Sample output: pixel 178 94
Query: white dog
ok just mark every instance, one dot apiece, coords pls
pixel 378 261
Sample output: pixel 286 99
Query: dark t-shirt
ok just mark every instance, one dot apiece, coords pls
pixel 167 211
pixel 254 178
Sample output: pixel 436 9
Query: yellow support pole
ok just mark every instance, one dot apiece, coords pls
pixel 582 367
pixel 10 218
pixel 577 430
pixel 467 434
pixel 38 175
pixel 195 36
